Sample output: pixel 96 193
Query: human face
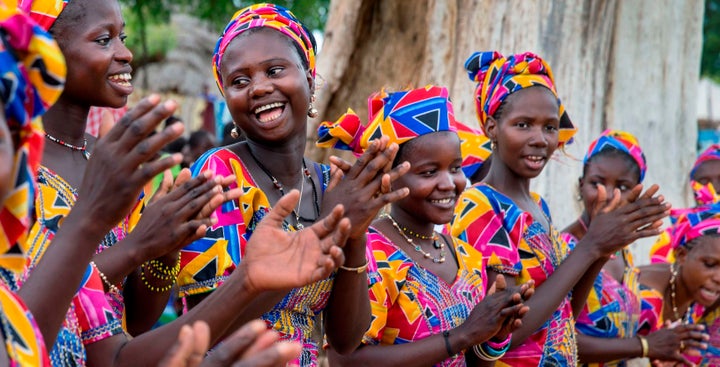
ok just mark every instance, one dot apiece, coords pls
pixel 266 88
pixel 611 171
pixel 526 134
pixel 435 179
pixel 92 39
pixel 700 270
pixel 708 172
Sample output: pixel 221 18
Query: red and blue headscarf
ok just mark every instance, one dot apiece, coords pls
pixel 266 16
pixel 401 116
pixel 475 148
pixel 622 141
pixel 705 193
pixel 689 224
pixel 32 76
pixel 498 76
pixel 44 12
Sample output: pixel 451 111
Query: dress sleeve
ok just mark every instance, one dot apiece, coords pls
pixel 492 225
pixel 97 319
pixel 651 302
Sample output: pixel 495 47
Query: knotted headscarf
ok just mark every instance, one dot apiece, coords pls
pixel 268 16
pixel 44 12
pixel 32 76
pixel 498 76
pixel 475 148
pixel 400 115
pixel 622 141
pixel 689 224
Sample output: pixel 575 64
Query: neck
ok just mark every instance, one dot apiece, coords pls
pixel 405 219
pixel 66 121
pixel 683 299
pixel 283 161
pixel 507 182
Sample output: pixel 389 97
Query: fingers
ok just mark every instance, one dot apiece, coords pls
pixel 180 353
pixel 282 209
pixel 218 200
pixel 236 344
pixel 614 203
pixel 201 343
pixel 366 157
pixel 279 354
pixel 184 176
pixel 336 175
pixel 145 105
pixel 391 197
pixel 138 127
pixel 381 163
pixel 500 283
pixel 329 224
pixel 165 186
pixel 148 170
pixel 341 164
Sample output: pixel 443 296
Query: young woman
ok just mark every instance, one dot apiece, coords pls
pixel 428 291
pixel 609 323
pixel 264 65
pixel 520 112
pixel 687 290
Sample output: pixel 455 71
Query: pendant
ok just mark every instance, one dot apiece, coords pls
pixel 299 226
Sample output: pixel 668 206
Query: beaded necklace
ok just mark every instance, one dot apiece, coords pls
pixel 82 149
pixel 436 244
pixel 676 314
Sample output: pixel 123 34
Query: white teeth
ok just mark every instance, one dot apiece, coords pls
pixel 534 158
pixel 442 201
pixel 268 107
pixel 122 79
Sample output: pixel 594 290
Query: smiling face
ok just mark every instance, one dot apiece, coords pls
pixel 266 86
pixel 435 179
pixel 700 269
pixel 91 35
pixel 526 132
pixel 614 170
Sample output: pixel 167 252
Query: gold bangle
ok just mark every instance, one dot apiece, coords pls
pixel 644 346
pixel 359 269
pixel 110 286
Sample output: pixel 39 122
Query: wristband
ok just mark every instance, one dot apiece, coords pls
pixel 644 346
pixel 359 269
pixel 448 348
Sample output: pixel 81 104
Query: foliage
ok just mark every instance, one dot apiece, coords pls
pixel 710 63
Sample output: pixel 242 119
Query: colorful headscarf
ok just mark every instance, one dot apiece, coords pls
pixel 712 153
pixel 400 115
pixel 622 141
pixel 268 16
pixel 499 76
pixel 44 12
pixel 689 224
pixel 32 75
pixel 475 148
pixel 705 193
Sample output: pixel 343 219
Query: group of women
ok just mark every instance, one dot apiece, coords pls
pixel 257 230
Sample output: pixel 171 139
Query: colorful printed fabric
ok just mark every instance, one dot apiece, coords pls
pixel 689 224
pixel 267 16
pixel 409 303
pixel 711 356
pixel 44 12
pixel 95 117
pixel 514 243
pixel 622 141
pixel 23 341
pixel 499 76
pixel 209 261
pixel 475 148
pixel 662 250
pixel 704 194
pixel 712 153
pixel 28 87
pixel 401 116
pixel 650 310
pixel 93 315
pixel 613 308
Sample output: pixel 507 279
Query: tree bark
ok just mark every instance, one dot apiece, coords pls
pixel 630 65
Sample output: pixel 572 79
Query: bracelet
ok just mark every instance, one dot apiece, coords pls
pixel 448 348
pixel 502 345
pixel 482 355
pixel 487 352
pixel 110 286
pixel 152 287
pixel 163 272
pixel 359 269
pixel 644 346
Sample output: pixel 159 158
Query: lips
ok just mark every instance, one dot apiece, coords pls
pixel 535 162
pixel 710 296
pixel 444 203
pixel 122 79
pixel 269 112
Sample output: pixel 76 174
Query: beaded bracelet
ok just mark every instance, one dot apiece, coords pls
pixel 359 269
pixel 110 286
pixel 644 345
pixel 152 287
pixel 487 352
pixel 163 272
pixel 501 345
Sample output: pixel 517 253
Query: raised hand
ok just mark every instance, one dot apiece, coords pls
pixel 617 223
pixel 364 188
pixel 670 343
pixel 275 259
pixel 120 164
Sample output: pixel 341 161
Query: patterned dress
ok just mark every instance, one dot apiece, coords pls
pixel 711 356
pixel 209 261
pixel 23 341
pixel 93 315
pixel 410 303
pixel 613 308
pixel 515 244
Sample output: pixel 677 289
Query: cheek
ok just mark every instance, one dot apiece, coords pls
pixel 460 182
pixel 589 194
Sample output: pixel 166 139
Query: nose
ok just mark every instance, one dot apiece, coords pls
pixel 538 138
pixel 445 181
pixel 123 53
pixel 261 86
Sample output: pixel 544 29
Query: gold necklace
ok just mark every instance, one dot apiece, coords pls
pixel 673 277
pixel 438 245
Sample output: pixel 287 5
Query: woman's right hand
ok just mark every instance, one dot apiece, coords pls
pixel 121 164
pixel 670 343
pixel 499 313
pixel 618 222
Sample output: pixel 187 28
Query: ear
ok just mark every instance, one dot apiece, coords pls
pixel 491 128
pixel 311 81
pixel 580 183
pixel 681 255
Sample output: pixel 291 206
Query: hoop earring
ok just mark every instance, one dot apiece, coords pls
pixel 234 133
pixel 312 111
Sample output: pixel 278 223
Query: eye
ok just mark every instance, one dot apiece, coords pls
pixel 275 70
pixel 241 82
pixel 522 124
pixel 456 169
pixel 623 188
pixel 428 172
pixel 551 128
pixel 103 41
pixel 123 37
pixel 710 264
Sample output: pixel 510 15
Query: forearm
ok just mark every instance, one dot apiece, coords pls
pixel 582 289
pixel 348 310
pixel 146 293
pixel 596 350
pixel 119 261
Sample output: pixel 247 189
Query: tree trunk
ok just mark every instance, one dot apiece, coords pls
pixel 630 65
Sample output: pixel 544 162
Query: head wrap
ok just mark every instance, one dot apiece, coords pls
pixel 712 153
pixel 32 75
pixel 689 224
pixel 268 16
pixel 44 12
pixel 400 115
pixel 499 76
pixel 622 141
pixel 474 147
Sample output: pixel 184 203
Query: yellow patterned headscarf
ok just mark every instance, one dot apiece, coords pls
pixel 499 76
pixel 44 12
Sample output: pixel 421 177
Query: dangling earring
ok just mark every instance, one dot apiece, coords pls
pixel 234 133
pixel 579 197
pixel 493 145
pixel 312 111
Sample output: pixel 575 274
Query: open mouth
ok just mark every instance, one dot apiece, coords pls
pixel 708 294
pixel 535 161
pixel 269 112
pixel 444 203
pixel 121 79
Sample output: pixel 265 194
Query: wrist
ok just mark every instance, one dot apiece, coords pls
pixel 589 249
pixel 355 252
pixel 644 347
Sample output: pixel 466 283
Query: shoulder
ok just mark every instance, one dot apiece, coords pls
pixel 655 276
